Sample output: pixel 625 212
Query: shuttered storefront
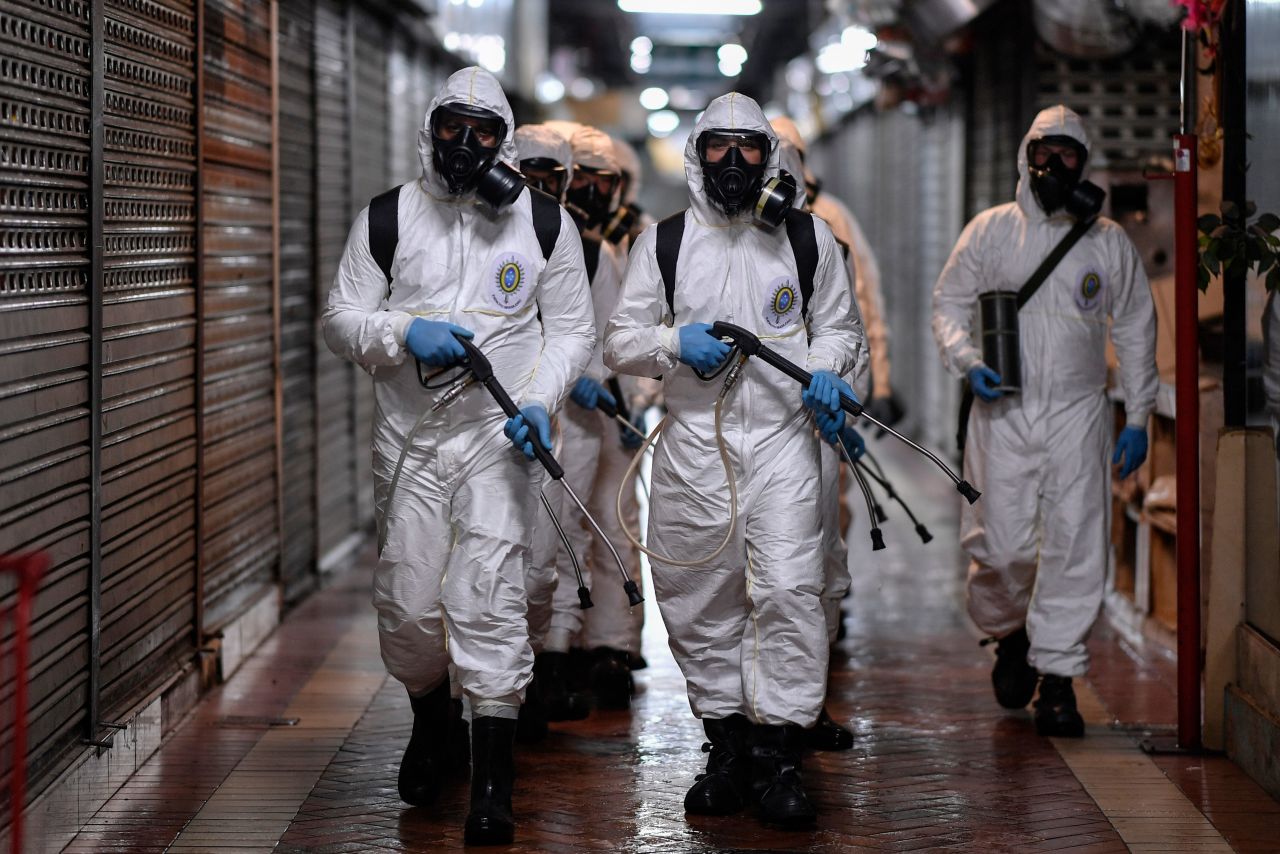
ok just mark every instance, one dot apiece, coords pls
pixel 298 316
pixel 45 357
pixel 239 524
pixel 370 153
pixel 335 379
pixel 148 349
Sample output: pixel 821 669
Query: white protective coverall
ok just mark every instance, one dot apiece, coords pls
pixel 747 628
pixel 459 525
pixel 629 161
pixel 1038 537
pixel 540 140
pixel 582 433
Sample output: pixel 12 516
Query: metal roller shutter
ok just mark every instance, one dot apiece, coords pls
pixel 335 379
pixel 1001 98
pixel 149 338
pixel 370 152
pixel 240 535
pixel 297 302
pixel 45 357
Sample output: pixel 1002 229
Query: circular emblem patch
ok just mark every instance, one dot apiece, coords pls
pixel 782 308
pixel 1089 293
pixel 511 282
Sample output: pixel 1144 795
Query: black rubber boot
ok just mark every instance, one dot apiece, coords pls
pixel 493 776
pixel 425 758
pixel 1056 713
pixel 721 789
pixel 610 678
pixel 559 700
pixel 637 661
pixel 1013 678
pixel 459 756
pixel 775 769
pixel 826 734
pixel 531 726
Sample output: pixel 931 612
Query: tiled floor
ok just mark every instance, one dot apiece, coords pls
pixel 937 765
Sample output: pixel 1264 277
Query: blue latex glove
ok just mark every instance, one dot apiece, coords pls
pixel 432 342
pixel 1132 448
pixel 983 380
pixel 699 350
pixel 854 445
pixel 630 439
pixel 587 393
pixel 823 397
pixel 532 420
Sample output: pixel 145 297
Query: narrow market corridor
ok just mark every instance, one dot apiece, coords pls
pixel 298 751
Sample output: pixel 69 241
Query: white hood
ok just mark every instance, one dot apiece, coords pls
pixel 789 159
pixel 1051 121
pixel 733 111
pixel 474 87
pixel 629 162
pixel 593 148
pixel 541 141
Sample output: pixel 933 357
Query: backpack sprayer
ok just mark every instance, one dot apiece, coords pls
pixel 746 345
pixel 480 370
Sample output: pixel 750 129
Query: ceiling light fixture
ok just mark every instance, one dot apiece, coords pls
pixel 691 7
pixel 654 98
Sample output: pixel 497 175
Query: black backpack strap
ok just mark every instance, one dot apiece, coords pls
pixel 1048 264
pixel 384 230
pixel 670 235
pixel 591 256
pixel 546 221
pixel 804 246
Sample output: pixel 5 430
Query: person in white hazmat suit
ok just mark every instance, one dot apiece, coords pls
pixel 467 262
pixel 1038 538
pixel 629 219
pixel 874 382
pixel 546 161
pixel 746 628
pixel 591 193
pixel 826 733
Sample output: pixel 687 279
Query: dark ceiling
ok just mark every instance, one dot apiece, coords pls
pixel 684 46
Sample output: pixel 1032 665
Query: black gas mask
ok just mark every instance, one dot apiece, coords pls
pixel 590 195
pixel 732 183
pixel 464 150
pixel 1055 165
pixel 545 174
pixel 622 222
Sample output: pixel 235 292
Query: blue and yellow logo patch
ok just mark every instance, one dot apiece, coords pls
pixel 511 285
pixel 1089 293
pixel 782 306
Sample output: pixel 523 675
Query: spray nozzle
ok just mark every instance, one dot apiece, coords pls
pixel 633 593
pixel 584 597
pixel 966 489
pixel 925 536
pixel 877 540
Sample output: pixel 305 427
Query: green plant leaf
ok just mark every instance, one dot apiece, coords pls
pixel 1208 222
pixel 1250 208
pixel 1266 264
pixel 1220 232
pixel 1202 279
pixel 1210 260
pixel 1268 222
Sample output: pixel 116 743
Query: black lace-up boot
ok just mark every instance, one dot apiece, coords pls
pixel 775 769
pixel 560 702
pixel 826 734
pixel 1013 677
pixel 493 777
pixel 610 678
pixel 720 790
pixel 1056 713
pixel 425 758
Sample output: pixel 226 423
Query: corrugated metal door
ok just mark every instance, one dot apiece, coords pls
pixel 148 347
pixel 45 356
pixel 370 153
pixel 239 522
pixel 335 379
pixel 297 287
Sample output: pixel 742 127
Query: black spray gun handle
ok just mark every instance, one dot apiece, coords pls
pixel 750 345
pixel 481 368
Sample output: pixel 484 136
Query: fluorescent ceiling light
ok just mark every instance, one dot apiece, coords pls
pixel 641 45
pixel 730 69
pixel 663 123
pixel 733 54
pixel 848 54
pixel 691 7
pixel 641 63
pixel 654 98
